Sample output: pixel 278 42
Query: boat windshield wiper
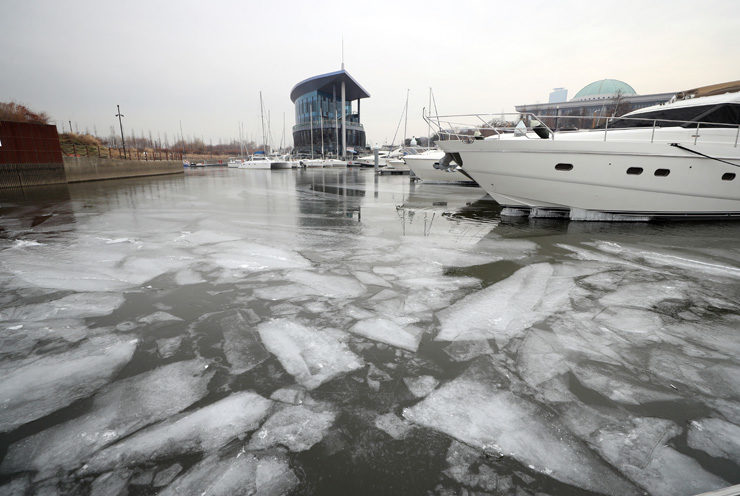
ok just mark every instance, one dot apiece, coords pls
pixel 703 155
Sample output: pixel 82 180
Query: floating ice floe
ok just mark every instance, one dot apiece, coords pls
pixel 327 285
pixel 503 310
pixel 421 386
pixel 244 473
pixel 118 410
pixel 203 430
pixel 297 428
pixel 18 340
pixel 77 306
pixel 388 332
pixel 393 425
pixel 110 483
pixel 472 409
pixel 638 448
pixel 370 279
pixel 716 437
pixel 242 345
pixel 158 317
pixel 311 356
pixel 253 257
pixel 39 385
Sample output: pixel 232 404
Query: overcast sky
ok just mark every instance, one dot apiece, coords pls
pixel 204 63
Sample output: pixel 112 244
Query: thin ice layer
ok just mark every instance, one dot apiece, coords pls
pixel 243 474
pixel 203 430
pixel 388 332
pixel 716 437
pixel 41 384
pixel 506 308
pixel 475 411
pixel 118 410
pixel 311 356
pixel 295 427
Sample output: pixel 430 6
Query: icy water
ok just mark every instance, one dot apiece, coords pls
pixel 333 332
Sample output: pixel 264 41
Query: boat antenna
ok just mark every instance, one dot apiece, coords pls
pixel 342 51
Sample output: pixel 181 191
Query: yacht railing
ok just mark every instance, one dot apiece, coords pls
pixel 450 127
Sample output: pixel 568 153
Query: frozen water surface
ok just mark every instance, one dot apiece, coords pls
pixel 336 332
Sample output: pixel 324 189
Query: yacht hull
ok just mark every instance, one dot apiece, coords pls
pixel 617 177
pixel 423 168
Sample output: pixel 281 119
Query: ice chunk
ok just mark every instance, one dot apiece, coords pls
pixel 369 279
pixel 110 484
pixel 118 410
pixel 164 477
pixel 671 259
pixel 646 294
pixel 472 409
pixel 41 384
pixel 242 345
pixel 203 430
pixel 18 340
pixel 78 306
pixel 613 383
pixel 293 395
pixel 421 386
pixel 670 472
pixel 465 467
pixel 188 276
pixel 506 308
pixel 157 317
pixel 716 437
pixel 462 351
pixel 240 474
pixel 253 257
pixel 16 487
pixel 295 427
pixel 328 285
pixel 392 425
pixel 388 332
pixel 311 356
pixel 167 347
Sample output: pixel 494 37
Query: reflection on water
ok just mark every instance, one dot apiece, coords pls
pixel 332 332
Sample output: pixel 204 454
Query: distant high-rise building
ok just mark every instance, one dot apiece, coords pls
pixel 558 95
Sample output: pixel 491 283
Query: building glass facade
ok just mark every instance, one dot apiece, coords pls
pixel 318 113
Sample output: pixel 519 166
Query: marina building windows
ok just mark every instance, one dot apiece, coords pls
pixel 320 115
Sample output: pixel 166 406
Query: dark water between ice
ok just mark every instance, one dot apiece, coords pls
pixel 333 332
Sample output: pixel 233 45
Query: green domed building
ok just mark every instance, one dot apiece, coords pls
pixel 605 88
pixel 590 107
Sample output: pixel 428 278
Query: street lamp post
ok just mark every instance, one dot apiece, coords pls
pixel 119 115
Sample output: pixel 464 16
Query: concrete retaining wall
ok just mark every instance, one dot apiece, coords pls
pixel 79 169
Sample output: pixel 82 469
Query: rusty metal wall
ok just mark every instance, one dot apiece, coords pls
pixel 30 155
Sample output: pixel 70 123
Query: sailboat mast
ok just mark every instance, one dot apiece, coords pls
pixel 406 112
pixel 262 118
pixel 310 113
pixel 429 122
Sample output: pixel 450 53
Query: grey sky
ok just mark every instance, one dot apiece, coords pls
pixel 205 63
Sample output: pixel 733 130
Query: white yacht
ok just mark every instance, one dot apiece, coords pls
pixel 260 161
pixel 323 162
pixel 679 159
pixel 426 166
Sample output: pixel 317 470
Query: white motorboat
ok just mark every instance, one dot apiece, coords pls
pixel 426 166
pixel 324 162
pixel 260 161
pixel 233 163
pixel 682 162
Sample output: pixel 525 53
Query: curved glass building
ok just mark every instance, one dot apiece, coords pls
pixel 319 101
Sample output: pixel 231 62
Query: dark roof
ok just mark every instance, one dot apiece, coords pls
pixel 324 82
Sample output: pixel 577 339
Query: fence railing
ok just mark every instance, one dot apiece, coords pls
pixel 487 125
pixel 81 150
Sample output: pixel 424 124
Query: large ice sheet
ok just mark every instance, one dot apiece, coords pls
pixel 474 410
pixel 118 410
pixel 506 308
pixel 311 356
pixel 716 437
pixel 388 332
pixel 203 430
pixel 41 384
pixel 253 257
pixel 331 286
pixel 295 427
pixel 242 345
pixel 243 474
pixel 77 306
